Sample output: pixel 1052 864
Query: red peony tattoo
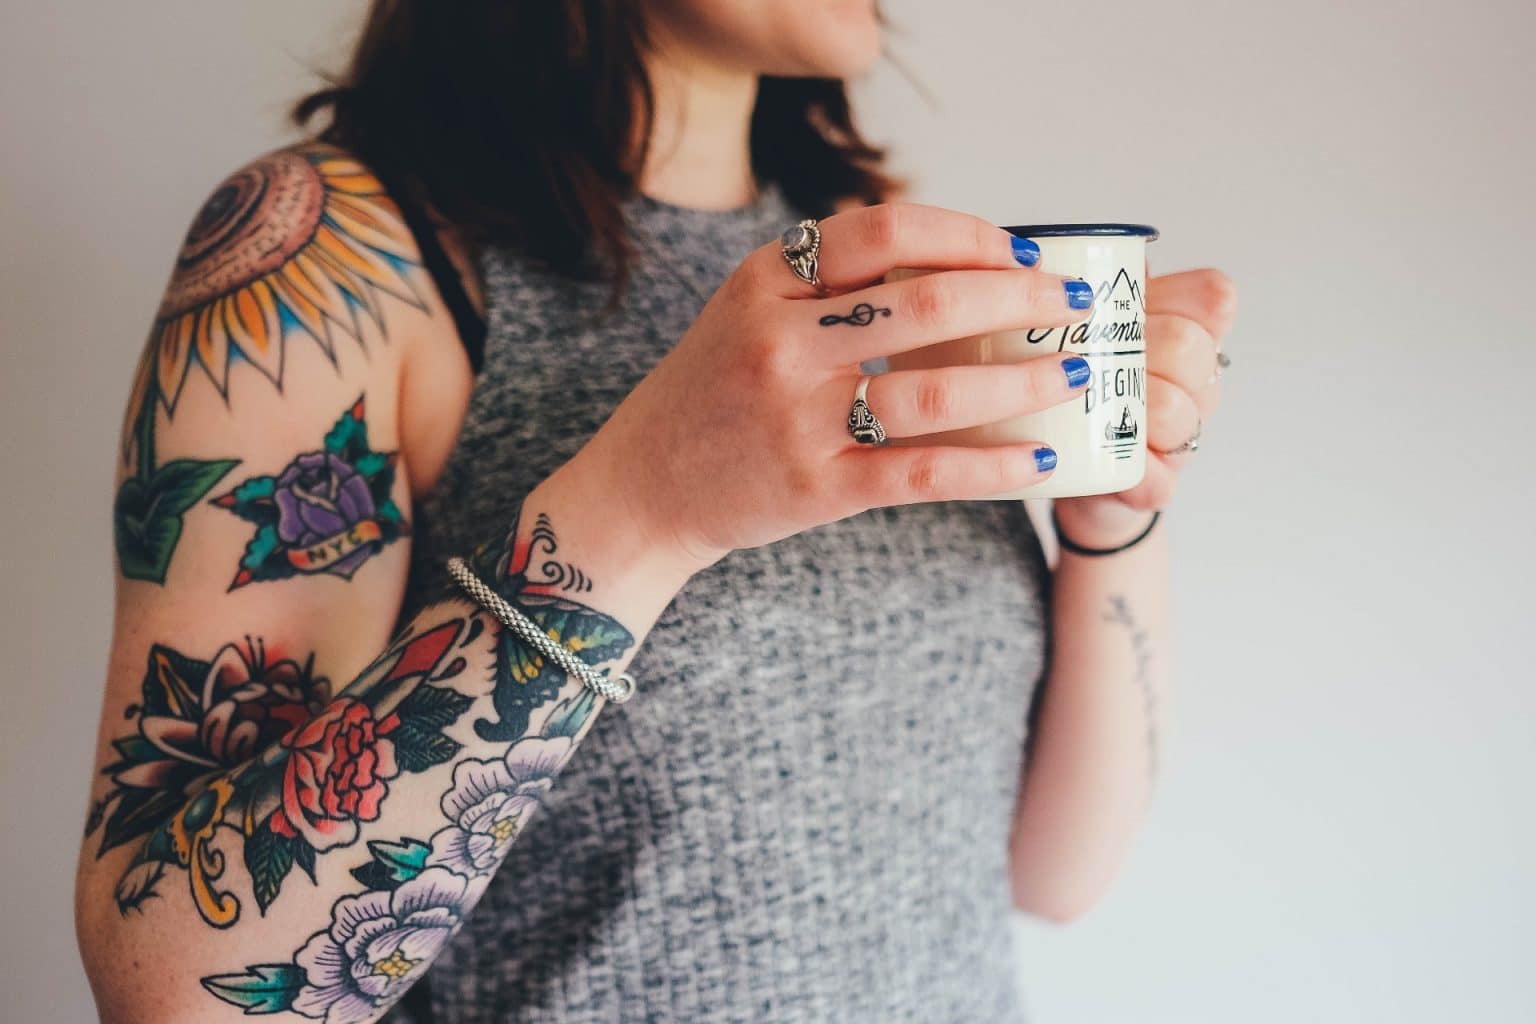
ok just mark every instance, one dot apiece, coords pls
pixel 337 774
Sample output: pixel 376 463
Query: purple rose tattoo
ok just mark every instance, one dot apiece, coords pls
pixel 327 512
pixel 319 496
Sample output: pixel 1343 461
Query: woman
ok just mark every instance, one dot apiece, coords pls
pixel 525 301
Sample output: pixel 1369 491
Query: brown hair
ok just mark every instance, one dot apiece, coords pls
pixel 521 119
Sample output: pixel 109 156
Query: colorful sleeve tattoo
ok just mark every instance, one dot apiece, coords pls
pixel 241 755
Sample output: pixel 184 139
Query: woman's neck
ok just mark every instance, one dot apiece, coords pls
pixel 700 153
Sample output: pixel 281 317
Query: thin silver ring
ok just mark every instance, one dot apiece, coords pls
pixel 863 424
pixel 1192 445
pixel 801 246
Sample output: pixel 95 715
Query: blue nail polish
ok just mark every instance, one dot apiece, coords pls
pixel 1077 371
pixel 1045 459
pixel 1079 294
pixel 1025 251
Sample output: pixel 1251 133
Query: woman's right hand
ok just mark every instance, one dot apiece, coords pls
pixel 739 436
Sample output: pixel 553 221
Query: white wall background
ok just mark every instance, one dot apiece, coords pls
pixel 1345 828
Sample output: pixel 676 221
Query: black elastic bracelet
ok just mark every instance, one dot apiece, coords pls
pixel 1071 545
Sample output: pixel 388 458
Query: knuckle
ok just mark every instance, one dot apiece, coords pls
pixel 1159 490
pixel 1002 473
pixel 988 239
pixel 1029 388
pixel 1210 399
pixel 1185 339
pixel 1167 404
pixel 1141 497
pixel 923 476
pixel 934 399
pixel 747 280
pixel 1036 292
pixel 881 227
pixel 1221 295
pixel 928 300
pixel 765 356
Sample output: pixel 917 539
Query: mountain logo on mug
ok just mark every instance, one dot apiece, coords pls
pixel 1107 290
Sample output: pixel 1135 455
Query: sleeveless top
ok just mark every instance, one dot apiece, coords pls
pixel 804 813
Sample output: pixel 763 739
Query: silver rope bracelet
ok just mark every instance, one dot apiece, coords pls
pixel 618 690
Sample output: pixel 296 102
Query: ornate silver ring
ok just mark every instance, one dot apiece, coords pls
pixel 802 245
pixel 862 422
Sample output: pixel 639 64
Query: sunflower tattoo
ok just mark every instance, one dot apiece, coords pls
pixel 302 242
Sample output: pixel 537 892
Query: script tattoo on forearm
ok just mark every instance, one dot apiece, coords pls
pixel 303 242
pixel 202 765
pixel 1119 613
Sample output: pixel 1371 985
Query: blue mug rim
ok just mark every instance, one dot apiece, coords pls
pixel 1146 231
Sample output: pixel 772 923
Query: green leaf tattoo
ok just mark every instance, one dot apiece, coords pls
pixel 264 988
pixel 393 863
pixel 148 512
pixel 268 858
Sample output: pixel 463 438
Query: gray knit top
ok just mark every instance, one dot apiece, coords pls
pixel 803 815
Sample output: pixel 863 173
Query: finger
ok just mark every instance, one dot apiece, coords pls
pixel 910 403
pixel 1207 297
pixel 1156 487
pixel 900 315
pixel 1180 350
pixel 1172 416
pixel 879 477
pixel 1208 400
pixel 858 247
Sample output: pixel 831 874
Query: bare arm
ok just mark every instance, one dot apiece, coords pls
pixel 1095 747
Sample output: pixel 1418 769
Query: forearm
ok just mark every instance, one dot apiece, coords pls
pixel 1094 750
pixel 409 786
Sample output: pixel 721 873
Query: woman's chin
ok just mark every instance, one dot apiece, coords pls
pixel 847 51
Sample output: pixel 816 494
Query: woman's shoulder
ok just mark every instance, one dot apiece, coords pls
pixel 309 237
pixel 305 226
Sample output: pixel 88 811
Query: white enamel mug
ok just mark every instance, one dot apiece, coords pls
pixel 1100 437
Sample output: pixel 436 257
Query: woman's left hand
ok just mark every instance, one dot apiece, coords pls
pixel 1188 314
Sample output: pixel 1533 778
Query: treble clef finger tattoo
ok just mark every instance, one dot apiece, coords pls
pixel 862 316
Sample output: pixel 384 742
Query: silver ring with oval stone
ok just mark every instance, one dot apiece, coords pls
pixel 801 245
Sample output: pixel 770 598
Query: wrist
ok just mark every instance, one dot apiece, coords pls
pixel 1100 521
pixel 594 520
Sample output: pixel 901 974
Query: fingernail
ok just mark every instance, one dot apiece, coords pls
pixel 1045 459
pixel 1025 251
pixel 1077 371
pixel 1079 294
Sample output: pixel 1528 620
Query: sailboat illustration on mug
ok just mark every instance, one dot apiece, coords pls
pixel 1125 429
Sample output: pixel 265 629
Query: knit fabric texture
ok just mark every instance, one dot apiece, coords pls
pixel 803 814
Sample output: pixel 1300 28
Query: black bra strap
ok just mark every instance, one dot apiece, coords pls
pixel 471 326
